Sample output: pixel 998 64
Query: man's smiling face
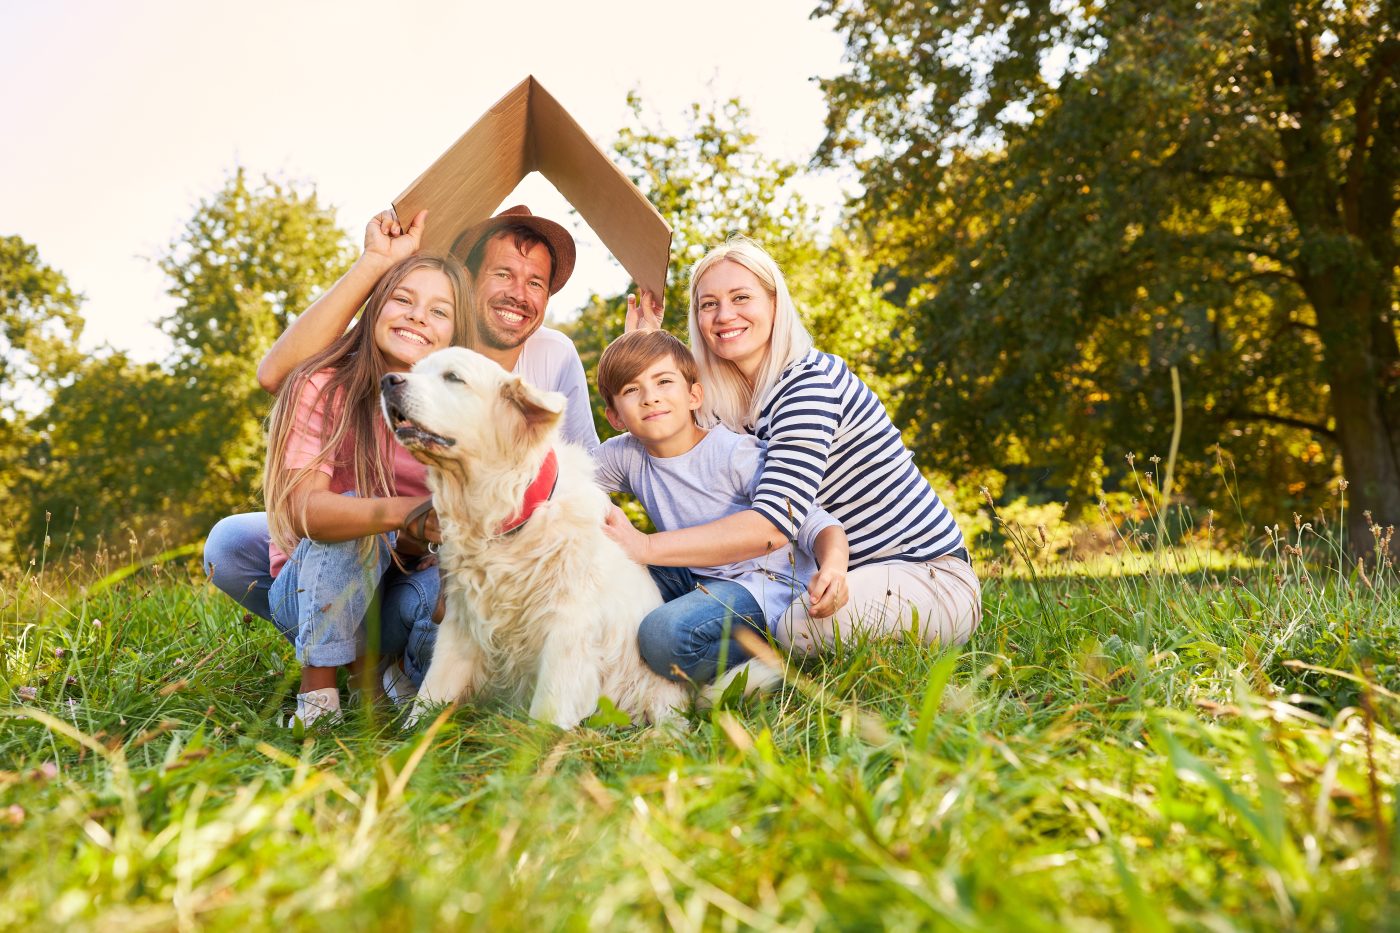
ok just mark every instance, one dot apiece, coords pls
pixel 512 290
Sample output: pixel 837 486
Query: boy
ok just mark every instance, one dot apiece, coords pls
pixel 686 475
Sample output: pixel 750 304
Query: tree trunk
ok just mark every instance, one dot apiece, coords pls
pixel 1345 262
pixel 1358 377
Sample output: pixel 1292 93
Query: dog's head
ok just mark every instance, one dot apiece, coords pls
pixel 458 405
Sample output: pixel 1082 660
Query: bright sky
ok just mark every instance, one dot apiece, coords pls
pixel 119 117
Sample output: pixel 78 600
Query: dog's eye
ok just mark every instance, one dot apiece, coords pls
pixel 451 377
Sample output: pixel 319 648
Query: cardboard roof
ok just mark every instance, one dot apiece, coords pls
pixel 528 131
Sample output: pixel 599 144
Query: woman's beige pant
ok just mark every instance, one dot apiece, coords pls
pixel 941 597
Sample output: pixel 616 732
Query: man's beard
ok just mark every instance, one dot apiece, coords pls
pixel 488 336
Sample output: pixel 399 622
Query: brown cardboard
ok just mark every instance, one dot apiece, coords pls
pixel 528 131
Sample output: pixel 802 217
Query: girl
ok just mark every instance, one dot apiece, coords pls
pixel 337 485
pixel 830 444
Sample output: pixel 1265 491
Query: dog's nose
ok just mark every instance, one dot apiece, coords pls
pixel 390 380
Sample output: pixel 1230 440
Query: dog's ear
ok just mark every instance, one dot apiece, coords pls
pixel 539 410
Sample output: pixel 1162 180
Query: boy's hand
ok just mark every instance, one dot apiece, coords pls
pixel 619 527
pixel 644 314
pixel 827 592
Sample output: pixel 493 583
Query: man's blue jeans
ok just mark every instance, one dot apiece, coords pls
pixel 693 632
pixel 236 561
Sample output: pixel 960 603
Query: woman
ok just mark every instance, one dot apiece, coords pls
pixel 830 443
pixel 337 486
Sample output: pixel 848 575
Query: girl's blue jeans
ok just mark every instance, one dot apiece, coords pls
pixel 323 599
pixel 693 631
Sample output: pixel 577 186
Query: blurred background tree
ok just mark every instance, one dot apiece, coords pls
pixel 252 257
pixel 1072 198
pixel 711 181
pixel 40 322
pixel 168 448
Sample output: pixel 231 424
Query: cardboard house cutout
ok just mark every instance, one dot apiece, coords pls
pixel 528 131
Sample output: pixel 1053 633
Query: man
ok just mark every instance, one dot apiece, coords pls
pixel 517 261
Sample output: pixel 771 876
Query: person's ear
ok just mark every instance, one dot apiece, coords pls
pixel 613 419
pixel 697 396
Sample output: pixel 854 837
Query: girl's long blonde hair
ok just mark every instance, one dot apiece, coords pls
pixel 349 402
pixel 729 398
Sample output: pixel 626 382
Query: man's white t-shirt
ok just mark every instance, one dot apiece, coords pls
pixel 548 360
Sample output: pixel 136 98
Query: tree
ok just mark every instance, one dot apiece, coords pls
pixel 251 258
pixel 39 328
pixel 711 181
pixel 146 448
pixel 117 457
pixel 1075 197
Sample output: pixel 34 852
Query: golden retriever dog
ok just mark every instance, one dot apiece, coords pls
pixel 539 602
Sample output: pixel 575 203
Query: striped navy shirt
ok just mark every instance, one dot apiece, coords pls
pixel 831 442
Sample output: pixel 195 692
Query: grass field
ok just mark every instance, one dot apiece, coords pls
pixel 1145 750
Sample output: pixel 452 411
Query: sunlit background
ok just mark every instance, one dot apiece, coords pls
pixel 120 117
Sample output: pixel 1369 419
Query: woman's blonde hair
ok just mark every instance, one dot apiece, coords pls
pixel 729 398
pixel 349 402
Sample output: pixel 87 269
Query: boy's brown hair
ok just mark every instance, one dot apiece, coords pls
pixel 630 355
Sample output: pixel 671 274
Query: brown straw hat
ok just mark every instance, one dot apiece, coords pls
pixel 559 239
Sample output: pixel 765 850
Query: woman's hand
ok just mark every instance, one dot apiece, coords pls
pixel 827 592
pixel 386 239
pixel 643 314
pixel 619 527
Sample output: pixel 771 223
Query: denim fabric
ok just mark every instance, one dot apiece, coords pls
pixel 692 631
pixel 236 560
pixel 409 630
pixel 324 593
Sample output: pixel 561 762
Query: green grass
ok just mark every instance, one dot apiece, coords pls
pixel 1174 748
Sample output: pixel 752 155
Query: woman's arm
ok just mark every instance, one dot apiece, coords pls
pixel 322 515
pixel 386 242
pixel 645 314
pixel 741 536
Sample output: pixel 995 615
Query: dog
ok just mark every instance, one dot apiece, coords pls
pixel 540 603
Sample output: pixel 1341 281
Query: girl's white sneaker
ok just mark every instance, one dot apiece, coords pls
pixel 313 704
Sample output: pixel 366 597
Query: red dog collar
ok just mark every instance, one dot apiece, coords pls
pixel 538 493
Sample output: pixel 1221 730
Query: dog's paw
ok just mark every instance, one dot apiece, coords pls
pixel 752 678
pixel 415 715
pixel 671 725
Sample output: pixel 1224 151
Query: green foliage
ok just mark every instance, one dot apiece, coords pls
pixel 39 328
pixel 711 181
pixel 250 259
pixel 1073 198
pixel 39 321
pixel 134 449
pixel 1122 751
pixel 101 485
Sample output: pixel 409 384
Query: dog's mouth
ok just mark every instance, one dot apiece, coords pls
pixel 411 434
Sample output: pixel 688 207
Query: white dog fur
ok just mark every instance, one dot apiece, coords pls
pixel 551 610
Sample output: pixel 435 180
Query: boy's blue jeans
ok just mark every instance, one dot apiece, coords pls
pixel 334 575
pixel 693 630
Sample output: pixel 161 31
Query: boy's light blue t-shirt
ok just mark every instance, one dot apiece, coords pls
pixel 713 479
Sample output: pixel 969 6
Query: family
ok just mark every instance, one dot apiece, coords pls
pixel 785 499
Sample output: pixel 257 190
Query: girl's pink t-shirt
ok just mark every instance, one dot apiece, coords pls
pixel 304 443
